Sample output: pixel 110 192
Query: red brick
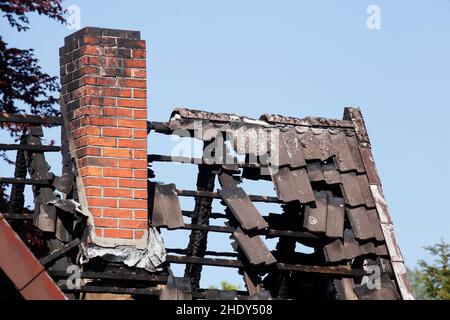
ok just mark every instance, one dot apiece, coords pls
pixel 132 83
pixel 100 182
pixel 133 224
pixel 119 153
pixel 96 212
pixel 132 63
pixel 112 62
pixel 131 43
pixel 140 214
pixel 99 162
pixel 128 123
pixel 91 171
pixel 117 213
pixel 140 114
pixel 102 202
pixel 132 143
pixel 117 172
pixel 133 183
pixel 116 72
pixel 140 194
pixel 85 70
pixel 86 131
pixel 138 133
pixel 105 222
pixel 140 174
pixel 99 232
pixel 138 234
pixel 98 81
pixel 89 50
pixel 130 103
pixel 137 204
pixel 117 132
pixel 140 154
pixel 95 141
pixel 139 54
pixel 113 92
pixel 87 111
pixel 135 164
pixel 117 112
pixel 97 101
pixel 139 94
pixel 118 192
pixel 89 40
pixel 118 233
pixel 139 73
pixel 96 192
pixel 99 121
pixel 89 60
pixel 88 151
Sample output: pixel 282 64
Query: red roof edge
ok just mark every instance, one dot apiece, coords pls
pixel 23 269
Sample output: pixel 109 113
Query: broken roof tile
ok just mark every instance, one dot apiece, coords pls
pixel 351 245
pixel 335 218
pixel 331 175
pixel 354 148
pixel 317 144
pixel 254 248
pixel 365 190
pixel 316 217
pixel 315 172
pixel 360 223
pixel 166 207
pixel 344 156
pixel 352 190
pixel 243 209
pixel 292 185
pixel 290 150
pixel 376 224
pixel 335 251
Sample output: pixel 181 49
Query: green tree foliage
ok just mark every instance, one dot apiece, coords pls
pixel 226 286
pixel 415 278
pixel 432 280
pixel 436 276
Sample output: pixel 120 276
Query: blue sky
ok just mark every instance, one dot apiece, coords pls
pixel 298 58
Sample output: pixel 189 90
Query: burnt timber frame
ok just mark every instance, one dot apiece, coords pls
pixel 352 120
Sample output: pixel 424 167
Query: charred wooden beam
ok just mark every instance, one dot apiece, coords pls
pixel 30 147
pixel 159 127
pixel 332 270
pixel 216 195
pixel 37 182
pixel 198 239
pixel 109 275
pixel 213 215
pixel 269 232
pixel 207 253
pixel 228 263
pixel 204 261
pixel 31 119
pixel 61 251
pixel 17 216
pixel 17 196
pixel 110 289
pixel 163 158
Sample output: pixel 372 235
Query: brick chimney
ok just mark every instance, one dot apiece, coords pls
pixel 103 77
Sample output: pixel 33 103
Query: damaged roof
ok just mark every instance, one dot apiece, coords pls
pixel 325 166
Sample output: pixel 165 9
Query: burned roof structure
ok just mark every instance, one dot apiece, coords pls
pixel 103 216
pixel 330 195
